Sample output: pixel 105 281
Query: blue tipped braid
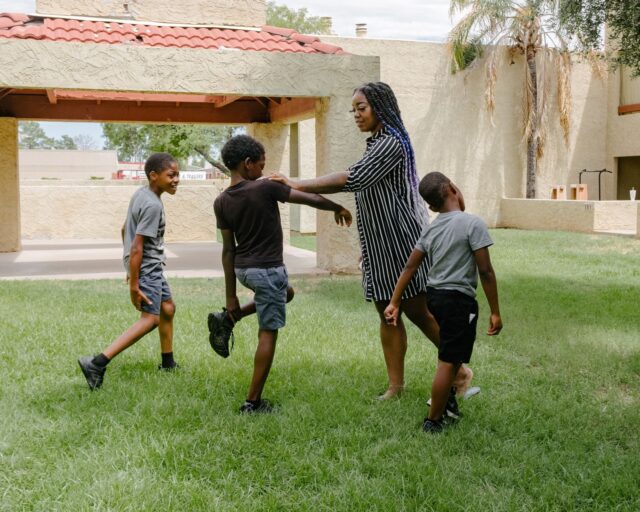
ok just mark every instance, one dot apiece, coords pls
pixel 385 106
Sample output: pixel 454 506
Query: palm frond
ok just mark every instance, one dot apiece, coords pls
pixel 563 64
pixel 541 117
pixel 491 79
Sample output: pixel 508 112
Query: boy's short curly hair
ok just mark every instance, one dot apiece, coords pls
pixel 239 148
pixel 432 188
pixel 158 162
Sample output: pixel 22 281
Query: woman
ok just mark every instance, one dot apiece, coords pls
pixel 390 218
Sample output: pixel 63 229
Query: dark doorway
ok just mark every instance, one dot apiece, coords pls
pixel 628 176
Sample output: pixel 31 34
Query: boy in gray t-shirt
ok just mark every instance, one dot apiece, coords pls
pixel 143 257
pixel 456 248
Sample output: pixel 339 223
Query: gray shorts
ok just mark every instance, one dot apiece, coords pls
pixel 154 286
pixel 270 288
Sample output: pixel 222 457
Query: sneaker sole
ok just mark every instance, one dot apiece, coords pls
pixel 222 351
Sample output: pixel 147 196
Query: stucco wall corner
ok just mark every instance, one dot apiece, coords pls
pixel 10 190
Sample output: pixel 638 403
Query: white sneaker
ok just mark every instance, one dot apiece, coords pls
pixel 467 394
pixel 471 392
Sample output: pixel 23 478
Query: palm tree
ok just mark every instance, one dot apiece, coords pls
pixel 533 29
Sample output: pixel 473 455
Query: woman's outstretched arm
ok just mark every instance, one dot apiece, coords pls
pixel 328 184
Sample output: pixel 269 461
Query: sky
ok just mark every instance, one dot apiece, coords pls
pixel 410 19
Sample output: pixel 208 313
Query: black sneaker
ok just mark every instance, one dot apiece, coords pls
pixel 92 372
pixel 432 426
pixel 261 406
pixel 168 368
pixel 451 410
pixel 220 332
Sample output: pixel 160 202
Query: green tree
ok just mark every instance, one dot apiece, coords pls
pixel 297 19
pixel 32 136
pixel 587 18
pixel 130 141
pixel 535 30
pixel 137 141
pixel 64 142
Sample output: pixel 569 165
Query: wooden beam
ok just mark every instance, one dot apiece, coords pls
pixel 628 109
pixel 37 107
pixel 51 96
pixel 297 109
pixel 222 101
pixel 5 92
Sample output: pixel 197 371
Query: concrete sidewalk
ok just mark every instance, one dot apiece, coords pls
pixel 102 259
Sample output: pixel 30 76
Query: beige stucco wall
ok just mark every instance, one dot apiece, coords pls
pixel 71 210
pixel 9 191
pixel 452 132
pixel 67 164
pixel 615 215
pixel 623 134
pixel 61 65
pixel 546 214
pixel 250 13
pixel 336 148
pixel 580 216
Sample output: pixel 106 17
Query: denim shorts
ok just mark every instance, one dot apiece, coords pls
pixel 270 288
pixel 457 316
pixel 156 288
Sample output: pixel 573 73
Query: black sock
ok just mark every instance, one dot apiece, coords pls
pixel 167 360
pixel 101 360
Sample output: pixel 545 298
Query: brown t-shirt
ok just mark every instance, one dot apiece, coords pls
pixel 250 210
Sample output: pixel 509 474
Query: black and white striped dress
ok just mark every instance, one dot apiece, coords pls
pixel 390 217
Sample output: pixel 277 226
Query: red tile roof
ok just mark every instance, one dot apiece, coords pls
pixel 267 39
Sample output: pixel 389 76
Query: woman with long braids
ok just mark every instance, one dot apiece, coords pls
pixel 390 219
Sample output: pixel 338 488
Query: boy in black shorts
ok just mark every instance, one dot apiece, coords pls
pixel 456 247
pixel 248 216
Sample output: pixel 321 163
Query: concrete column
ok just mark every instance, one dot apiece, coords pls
pixel 307 162
pixel 638 222
pixel 275 139
pixel 338 145
pixel 10 189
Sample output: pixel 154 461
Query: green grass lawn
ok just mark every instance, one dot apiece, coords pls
pixel 307 242
pixel 554 429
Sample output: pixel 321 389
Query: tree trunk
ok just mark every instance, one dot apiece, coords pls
pixel 218 165
pixel 532 142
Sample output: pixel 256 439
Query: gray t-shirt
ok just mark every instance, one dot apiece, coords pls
pixel 448 243
pixel 145 217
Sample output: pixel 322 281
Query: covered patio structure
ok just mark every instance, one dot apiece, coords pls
pixel 71 63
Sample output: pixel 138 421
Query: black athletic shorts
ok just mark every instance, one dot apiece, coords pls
pixel 457 316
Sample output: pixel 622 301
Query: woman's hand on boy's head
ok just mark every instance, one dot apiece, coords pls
pixel 343 217
pixel 495 325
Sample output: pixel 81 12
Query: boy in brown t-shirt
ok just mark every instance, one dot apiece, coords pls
pixel 248 216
